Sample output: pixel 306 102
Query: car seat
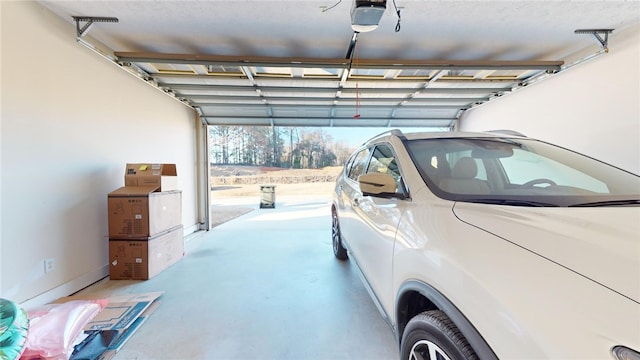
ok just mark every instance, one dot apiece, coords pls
pixel 463 179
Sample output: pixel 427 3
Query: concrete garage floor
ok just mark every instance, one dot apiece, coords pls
pixel 264 285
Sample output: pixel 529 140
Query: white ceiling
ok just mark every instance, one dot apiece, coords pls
pixel 258 62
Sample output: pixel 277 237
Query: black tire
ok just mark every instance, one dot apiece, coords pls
pixel 434 330
pixel 336 238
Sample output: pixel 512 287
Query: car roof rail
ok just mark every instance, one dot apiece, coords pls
pixel 507 132
pixel 394 132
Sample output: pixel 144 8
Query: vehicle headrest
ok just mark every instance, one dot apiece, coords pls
pixel 465 168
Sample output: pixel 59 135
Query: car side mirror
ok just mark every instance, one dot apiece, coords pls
pixel 378 184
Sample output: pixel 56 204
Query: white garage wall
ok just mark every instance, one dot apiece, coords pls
pixel 593 108
pixel 70 122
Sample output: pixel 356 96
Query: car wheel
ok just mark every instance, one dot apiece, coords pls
pixel 432 335
pixel 338 250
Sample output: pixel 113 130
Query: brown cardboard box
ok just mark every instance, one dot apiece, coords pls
pixel 140 212
pixel 144 259
pixel 163 176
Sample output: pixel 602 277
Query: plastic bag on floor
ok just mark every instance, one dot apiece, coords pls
pixel 54 328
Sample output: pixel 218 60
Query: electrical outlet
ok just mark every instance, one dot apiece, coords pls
pixel 49 265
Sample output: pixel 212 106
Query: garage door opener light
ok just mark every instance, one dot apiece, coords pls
pixel 366 14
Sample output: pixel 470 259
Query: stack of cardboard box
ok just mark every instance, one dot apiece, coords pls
pixel 145 222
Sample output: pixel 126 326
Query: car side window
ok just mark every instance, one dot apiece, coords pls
pixel 349 164
pixel 358 165
pixel 383 161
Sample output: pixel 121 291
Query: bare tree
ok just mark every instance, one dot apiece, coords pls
pixel 265 146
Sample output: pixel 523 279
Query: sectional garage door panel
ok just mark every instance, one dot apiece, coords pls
pixel 332 92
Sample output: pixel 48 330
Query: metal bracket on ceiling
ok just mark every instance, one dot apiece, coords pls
pixel 598 35
pixel 82 29
pixel 83 24
pixel 351 48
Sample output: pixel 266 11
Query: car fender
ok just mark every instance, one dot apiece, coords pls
pixel 477 342
pixel 488 286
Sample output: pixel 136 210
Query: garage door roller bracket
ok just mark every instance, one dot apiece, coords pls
pixel 88 21
pixel 598 34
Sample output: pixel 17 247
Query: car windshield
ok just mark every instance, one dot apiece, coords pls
pixel 519 172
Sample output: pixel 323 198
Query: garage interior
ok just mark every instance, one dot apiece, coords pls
pixel 84 94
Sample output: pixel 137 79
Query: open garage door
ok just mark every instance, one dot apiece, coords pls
pixel 332 92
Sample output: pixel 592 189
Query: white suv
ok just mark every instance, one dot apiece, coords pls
pixel 488 245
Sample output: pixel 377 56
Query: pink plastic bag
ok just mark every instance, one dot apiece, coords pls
pixel 53 328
